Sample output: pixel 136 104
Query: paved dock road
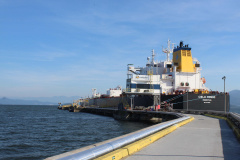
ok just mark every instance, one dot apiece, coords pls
pixel 204 138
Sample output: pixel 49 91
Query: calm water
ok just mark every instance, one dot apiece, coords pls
pixel 37 132
pixel 235 108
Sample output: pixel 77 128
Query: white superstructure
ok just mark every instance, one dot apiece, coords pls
pixel 114 92
pixel 111 92
pixel 181 73
pixel 95 94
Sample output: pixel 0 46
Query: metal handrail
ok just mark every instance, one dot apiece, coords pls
pixel 236 116
pixel 115 144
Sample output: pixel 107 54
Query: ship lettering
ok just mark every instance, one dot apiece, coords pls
pixel 209 100
pixel 202 97
pixel 211 97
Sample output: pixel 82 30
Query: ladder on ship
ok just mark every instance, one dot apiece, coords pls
pixel 150 74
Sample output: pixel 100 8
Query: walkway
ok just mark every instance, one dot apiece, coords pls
pixel 204 138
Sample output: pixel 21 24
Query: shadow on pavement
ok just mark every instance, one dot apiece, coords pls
pixel 231 146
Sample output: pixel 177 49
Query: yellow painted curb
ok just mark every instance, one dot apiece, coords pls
pixel 234 128
pixel 117 154
pixel 138 145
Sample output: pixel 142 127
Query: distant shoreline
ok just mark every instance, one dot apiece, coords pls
pixel 28 105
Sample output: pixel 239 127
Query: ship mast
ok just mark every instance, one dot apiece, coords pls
pixel 153 55
pixel 168 50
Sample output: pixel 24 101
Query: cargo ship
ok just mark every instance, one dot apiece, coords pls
pixel 175 83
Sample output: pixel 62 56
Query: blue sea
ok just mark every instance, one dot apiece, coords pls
pixel 235 108
pixel 38 132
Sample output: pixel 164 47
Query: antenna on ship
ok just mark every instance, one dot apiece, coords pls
pixel 153 55
pixel 168 50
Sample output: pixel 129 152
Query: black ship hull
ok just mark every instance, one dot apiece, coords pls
pixel 187 101
pixel 191 101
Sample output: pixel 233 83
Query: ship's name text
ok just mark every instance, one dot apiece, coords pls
pixel 201 97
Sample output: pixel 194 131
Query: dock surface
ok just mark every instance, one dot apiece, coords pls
pixel 205 138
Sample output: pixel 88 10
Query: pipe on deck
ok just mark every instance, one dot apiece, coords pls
pixel 113 145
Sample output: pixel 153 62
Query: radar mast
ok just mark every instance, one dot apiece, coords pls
pixel 168 50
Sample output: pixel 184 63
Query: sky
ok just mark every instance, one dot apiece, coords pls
pixel 67 47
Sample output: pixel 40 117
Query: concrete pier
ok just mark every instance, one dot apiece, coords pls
pixel 204 138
